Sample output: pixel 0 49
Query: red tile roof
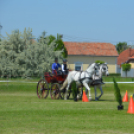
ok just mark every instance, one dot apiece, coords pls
pixel 125 55
pixel 96 49
pixel 131 57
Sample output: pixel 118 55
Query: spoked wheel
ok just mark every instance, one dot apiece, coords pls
pixel 42 89
pixel 55 91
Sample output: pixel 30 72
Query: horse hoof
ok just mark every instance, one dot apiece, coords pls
pixel 90 98
pixel 78 97
pixel 96 99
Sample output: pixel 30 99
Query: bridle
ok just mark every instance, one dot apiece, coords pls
pixel 100 71
pixel 103 68
pixel 95 68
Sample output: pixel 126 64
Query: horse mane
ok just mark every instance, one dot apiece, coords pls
pixel 89 65
pixel 95 64
pixel 105 64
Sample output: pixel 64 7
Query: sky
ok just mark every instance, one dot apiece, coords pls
pixel 110 21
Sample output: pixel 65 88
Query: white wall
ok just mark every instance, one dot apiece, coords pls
pixel 86 60
pixel 129 73
pixel 118 69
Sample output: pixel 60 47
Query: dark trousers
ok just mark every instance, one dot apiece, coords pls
pixel 65 72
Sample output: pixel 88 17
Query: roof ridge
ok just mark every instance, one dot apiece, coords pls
pixel 91 48
pixel 87 42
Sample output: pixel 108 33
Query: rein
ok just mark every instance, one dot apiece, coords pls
pixel 80 79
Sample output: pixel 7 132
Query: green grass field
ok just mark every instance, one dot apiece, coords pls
pixel 106 79
pixel 21 112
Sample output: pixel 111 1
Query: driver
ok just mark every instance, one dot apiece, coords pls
pixel 55 66
pixel 64 67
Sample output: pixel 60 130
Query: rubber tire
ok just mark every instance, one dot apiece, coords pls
pixel 42 93
pixel 55 91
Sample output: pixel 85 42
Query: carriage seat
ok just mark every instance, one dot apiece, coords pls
pixel 57 72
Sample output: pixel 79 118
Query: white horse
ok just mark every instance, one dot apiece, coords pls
pixel 81 77
pixel 97 80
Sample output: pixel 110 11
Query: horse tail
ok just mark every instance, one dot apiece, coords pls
pixel 64 84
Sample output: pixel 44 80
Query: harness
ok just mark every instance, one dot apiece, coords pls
pixel 81 79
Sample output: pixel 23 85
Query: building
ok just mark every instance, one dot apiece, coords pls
pixel 81 54
pixel 127 56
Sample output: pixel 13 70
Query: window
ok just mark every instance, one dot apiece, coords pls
pixel 78 66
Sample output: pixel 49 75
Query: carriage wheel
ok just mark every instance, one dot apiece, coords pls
pixel 55 91
pixel 42 89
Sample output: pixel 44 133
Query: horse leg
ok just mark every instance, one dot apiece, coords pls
pixel 100 87
pixel 66 92
pixel 95 93
pixel 64 85
pixel 86 90
pixel 87 87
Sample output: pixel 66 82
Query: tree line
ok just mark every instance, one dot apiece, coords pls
pixel 121 46
pixel 22 55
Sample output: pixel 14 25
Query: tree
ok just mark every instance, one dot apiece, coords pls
pixel 60 46
pixel 59 43
pixel 117 94
pixel 126 67
pixel 20 57
pixel 10 47
pixel 121 46
pixel 0 41
pixel 40 58
pixel 74 90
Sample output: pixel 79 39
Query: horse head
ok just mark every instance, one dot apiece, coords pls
pixel 104 69
pixel 93 69
pixel 96 68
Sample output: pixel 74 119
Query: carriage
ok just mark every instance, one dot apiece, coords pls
pixel 51 84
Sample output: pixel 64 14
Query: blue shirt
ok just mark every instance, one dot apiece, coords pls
pixel 55 66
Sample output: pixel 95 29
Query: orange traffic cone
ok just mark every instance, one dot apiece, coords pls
pixel 84 98
pixel 125 98
pixel 131 106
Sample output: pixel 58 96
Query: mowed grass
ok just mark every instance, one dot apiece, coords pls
pixel 118 78
pixel 21 112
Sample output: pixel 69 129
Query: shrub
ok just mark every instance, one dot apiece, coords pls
pixel 117 92
pixel 126 67
pixel 99 61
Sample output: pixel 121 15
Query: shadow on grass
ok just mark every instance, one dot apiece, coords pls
pixel 106 100
pixel 101 100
